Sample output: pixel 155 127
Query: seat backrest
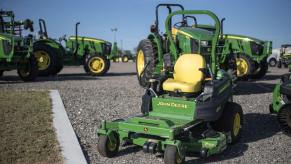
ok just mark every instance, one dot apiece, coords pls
pixel 187 68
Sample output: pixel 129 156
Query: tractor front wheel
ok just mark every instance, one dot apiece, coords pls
pixel 27 68
pixel 106 147
pixel 172 155
pixel 97 65
pixel 272 62
pixel 230 121
pixel 284 119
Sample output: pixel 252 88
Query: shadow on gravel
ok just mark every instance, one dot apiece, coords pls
pixel 256 126
pixel 271 77
pixel 128 150
pixel 121 74
pixel 246 88
pixel 83 150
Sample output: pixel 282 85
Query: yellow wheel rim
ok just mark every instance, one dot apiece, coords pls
pixel 125 59
pixel 140 62
pixel 96 64
pixel 43 59
pixel 242 67
pixel 236 124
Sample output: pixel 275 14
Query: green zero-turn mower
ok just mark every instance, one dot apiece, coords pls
pixel 241 56
pixel 281 104
pixel 15 49
pixel 189 111
pixel 285 56
pixel 93 54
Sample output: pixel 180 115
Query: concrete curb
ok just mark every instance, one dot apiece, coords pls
pixel 67 138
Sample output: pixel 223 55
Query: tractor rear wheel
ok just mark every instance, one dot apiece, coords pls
pixel 244 65
pixel 230 121
pixel 27 68
pixel 284 119
pixel 145 61
pixel 262 70
pixel 172 155
pixel 97 65
pixel 106 147
pixel 47 60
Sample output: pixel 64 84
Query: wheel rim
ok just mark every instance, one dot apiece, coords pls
pixel 242 67
pixel 236 124
pixel 272 63
pixel 140 62
pixel 43 59
pixel 125 59
pixel 111 146
pixel 96 64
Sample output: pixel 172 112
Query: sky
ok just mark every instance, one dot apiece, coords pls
pixel 262 19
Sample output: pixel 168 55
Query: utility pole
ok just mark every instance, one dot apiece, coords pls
pixel 114 30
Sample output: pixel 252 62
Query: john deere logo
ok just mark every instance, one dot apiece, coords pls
pixel 145 129
pixel 172 104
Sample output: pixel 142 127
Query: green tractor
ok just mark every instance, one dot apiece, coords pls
pixel 187 109
pixel 119 56
pixel 92 53
pixel 241 56
pixel 281 104
pixel 285 56
pixel 16 50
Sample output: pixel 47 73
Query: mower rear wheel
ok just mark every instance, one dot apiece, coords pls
pixel 284 119
pixel 263 69
pixel 230 121
pixel 172 155
pixel 46 58
pixel 27 68
pixel 145 61
pixel 97 65
pixel 106 147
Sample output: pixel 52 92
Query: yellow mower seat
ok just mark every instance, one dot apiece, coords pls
pixel 187 76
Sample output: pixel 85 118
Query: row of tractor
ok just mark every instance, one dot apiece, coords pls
pixel 45 56
pixel 281 57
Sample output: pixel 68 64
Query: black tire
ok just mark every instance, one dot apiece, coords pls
pixel 263 69
pixel 148 50
pixel 285 65
pixel 284 119
pixel 272 62
pixel 1 73
pixel 250 66
pixel 226 122
pixel 103 67
pixel 171 155
pixel 53 66
pixel 105 148
pixel 285 88
pixel 85 60
pixel 27 68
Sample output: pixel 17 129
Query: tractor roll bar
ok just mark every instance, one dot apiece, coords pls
pixel 173 48
pixel 221 28
pixel 169 7
pixel 76 39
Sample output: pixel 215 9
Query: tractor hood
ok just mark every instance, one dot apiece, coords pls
pixel 196 33
pixel 244 38
pixel 88 39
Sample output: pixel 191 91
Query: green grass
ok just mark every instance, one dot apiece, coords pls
pixel 26 131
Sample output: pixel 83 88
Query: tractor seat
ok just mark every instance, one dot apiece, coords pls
pixel 187 74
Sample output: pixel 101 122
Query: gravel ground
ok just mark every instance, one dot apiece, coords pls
pixel 88 100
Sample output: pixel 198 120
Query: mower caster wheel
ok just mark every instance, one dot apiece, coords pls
pixel 106 147
pixel 172 155
pixel 203 153
pixel 284 119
